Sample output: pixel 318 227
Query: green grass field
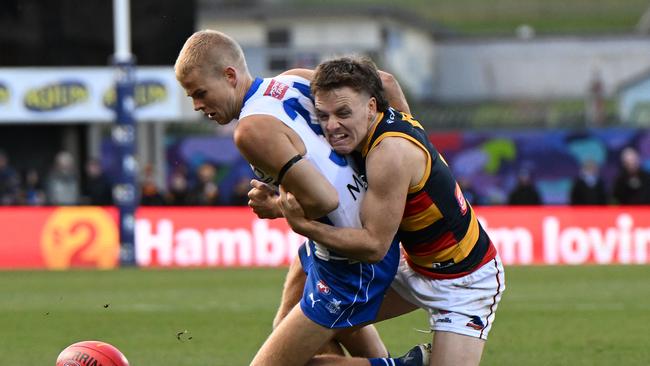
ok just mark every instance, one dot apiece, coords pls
pixel 595 315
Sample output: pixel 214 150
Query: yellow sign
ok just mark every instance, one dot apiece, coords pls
pixel 80 237
pixel 144 93
pixel 4 94
pixel 56 96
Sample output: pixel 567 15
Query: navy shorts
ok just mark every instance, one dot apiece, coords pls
pixel 340 293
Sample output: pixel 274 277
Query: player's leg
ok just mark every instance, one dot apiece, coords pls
pixel 294 342
pixel 462 312
pixel 417 356
pixel 365 342
pixel 292 292
pixel 294 284
pixel 392 306
pixel 452 349
pixel 362 342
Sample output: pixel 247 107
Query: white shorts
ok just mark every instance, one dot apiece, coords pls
pixel 464 305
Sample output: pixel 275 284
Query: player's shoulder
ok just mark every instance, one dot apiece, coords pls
pixel 304 74
pixel 272 92
pixel 256 130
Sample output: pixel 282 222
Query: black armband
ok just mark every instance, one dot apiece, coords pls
pixel 286 167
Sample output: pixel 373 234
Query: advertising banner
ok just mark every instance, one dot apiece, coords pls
pixel 569 235
pixel 228 237
pixel 60 238
pixel 41 95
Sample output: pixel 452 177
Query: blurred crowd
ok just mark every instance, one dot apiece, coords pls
pixel 630 187
pixel 62 186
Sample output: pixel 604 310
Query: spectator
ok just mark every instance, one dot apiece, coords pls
pixel 150 195
pixel 63 183
pixel 239 195
pixel 9 182
pixel 470 194
pixel 525 192
pixel 206 191
pixel 33 193
pixel 97 190
pixel 589 188
pixel 632 186
pixel 595 104
pixel 179 194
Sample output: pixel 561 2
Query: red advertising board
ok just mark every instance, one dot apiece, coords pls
pixel 59 238
pixel 569 235
pixel 212 237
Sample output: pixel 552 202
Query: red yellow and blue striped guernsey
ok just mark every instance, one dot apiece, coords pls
pixel 439 231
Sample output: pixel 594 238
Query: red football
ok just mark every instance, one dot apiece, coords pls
pixel 91 353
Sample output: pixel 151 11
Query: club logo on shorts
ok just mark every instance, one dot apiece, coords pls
pixel 276 90
pixel 475 323
pixel 334 306
pixel 322 287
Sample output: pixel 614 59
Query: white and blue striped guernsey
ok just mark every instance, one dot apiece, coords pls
pixel 338 292
pixel 288 98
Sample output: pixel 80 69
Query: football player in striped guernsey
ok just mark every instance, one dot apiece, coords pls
pixel 449 265
pixel 279 135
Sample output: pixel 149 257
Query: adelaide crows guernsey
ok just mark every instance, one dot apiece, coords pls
pixel 288 98
pixel 439 231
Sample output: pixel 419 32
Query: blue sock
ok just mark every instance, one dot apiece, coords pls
pixel 385 361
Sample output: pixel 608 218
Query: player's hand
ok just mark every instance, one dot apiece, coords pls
pixel 292 210
pixel 263 200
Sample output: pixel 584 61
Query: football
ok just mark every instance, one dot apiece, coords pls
pixel 91 353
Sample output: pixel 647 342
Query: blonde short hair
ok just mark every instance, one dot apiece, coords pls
pixel 209 50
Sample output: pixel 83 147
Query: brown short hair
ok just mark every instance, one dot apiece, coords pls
pixel 359 74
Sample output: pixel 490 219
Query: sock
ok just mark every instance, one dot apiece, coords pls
pixel 385 362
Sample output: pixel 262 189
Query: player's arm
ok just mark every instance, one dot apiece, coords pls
pixel 303 73
pixel 389 171
pixel 272 149
pixel 394 92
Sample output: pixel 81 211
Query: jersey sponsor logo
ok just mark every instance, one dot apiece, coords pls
pixel 276 90
pixel 462 203
pixel 475 323
pixel 313 301
pixel 445 264
pixel 391 116
pixel 359 183
pixel 334 306
pixel 322 287
pixel 443 320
